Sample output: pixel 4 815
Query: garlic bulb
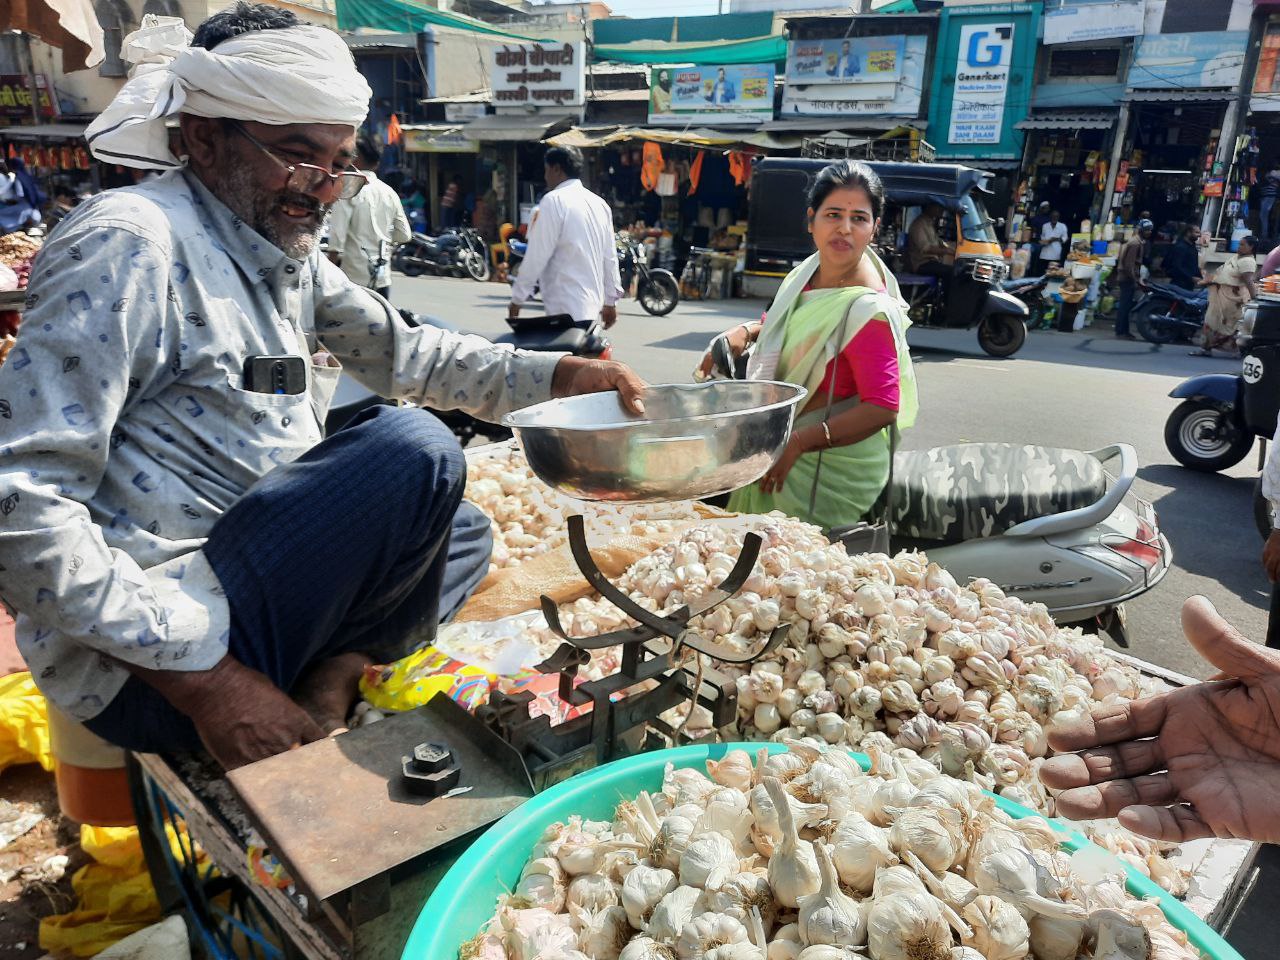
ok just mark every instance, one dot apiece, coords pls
pixel 828 915
pixel 933 834
pixel 859 849
pixel 1055 938
pixel 671 914
pixel 593 891
pixel 642 889
pixel 827 951
pixel 644 948
pixel 907 926
pixel 793 868
pixel 734 770
pixel 707 931
pixel 1011 875
pixel 999 932
pixel 672 840
pixel 708 862
pixel 601 933
pixel 533 934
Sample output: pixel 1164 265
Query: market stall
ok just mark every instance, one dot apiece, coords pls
pixel 688 625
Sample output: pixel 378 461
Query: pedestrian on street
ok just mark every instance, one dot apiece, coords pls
pixel 451 203
pixel 1268 190
pixel 192 562
pixel 1230 288
pixel 1052 237
pixel 1182 262
pixel 1199 761
pixel 364 230
pixel 571 254
pixel 1036 224
pixel 1129 275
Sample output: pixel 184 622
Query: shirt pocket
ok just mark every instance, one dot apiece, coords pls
pixel 265 430
pixel 324 381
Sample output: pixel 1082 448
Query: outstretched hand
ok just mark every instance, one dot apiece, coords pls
pixel 576 375
pixel 1200 761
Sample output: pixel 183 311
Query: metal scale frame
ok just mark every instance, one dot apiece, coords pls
pixel 625 720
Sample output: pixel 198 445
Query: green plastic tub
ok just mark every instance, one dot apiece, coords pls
pixel 466 897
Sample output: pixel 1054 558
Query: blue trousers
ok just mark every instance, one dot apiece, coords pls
pixel 361 544
pixel 1124 306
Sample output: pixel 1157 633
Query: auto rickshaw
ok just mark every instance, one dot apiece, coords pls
pixel 778 240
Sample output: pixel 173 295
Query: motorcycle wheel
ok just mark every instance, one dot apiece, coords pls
pixel 1002 335
pixel 1149 328
pixel 478 267
pixel 1261 510
pixel 411 269
pixel 659 294
pixel 1198 438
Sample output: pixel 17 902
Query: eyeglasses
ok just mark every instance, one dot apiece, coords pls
pixel 307 177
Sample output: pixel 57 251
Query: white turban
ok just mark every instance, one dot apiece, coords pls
pixel 300 74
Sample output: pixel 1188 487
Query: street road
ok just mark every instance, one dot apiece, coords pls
pixel 1081 390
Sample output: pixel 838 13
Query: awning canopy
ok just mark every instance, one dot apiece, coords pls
pixel 69 25
pixel 756 50
pixel 840 124
pixel 45 131
pixel 406 16
pixel 1068 120
pixel 1179 96
pixel 511 129
pixel 694 137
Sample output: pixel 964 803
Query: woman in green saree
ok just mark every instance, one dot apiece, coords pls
pixel 837 328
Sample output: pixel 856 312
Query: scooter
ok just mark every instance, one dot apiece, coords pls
pixel 1030 291
pixel 1167 313
pixel 451 252
pixel 539 334
pixel 1051 526
pixel 656 290
pixel 1223 415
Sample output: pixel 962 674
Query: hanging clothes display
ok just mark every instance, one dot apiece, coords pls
pixel 651 167
pixel 695 172
pixel 740 167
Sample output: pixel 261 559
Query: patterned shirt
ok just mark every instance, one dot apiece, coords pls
pixel 125 431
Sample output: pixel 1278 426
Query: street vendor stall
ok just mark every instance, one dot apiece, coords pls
pixel 607 629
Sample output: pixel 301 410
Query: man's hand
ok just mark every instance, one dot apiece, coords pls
pixel 576 375
pixel 1200 761
pixel 1271 557
pixel 772 481
pixel 240 714
pixel 513 310
pixel 609 316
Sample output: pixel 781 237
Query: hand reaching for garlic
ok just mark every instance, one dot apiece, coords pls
pixel 803 856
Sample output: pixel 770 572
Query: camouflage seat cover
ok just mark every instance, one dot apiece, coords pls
pixel 970 490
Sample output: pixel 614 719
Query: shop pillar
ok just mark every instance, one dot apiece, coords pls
pixel 1233 121
pixel 1118 151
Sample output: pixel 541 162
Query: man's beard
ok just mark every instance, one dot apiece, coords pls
pixel 261 210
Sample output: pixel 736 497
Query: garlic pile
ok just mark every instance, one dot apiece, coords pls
pixel 887 652
pixel 803 856
pixel 528 517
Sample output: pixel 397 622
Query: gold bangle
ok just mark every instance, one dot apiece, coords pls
pixel 826 432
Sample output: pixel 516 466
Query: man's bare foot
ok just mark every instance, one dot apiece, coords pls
pixel 328 690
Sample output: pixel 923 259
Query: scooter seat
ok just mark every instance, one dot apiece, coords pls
pixel 546 340
pixel 971 490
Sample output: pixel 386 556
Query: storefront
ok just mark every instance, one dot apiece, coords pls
pixel 56 154
pixel 1066 166
pixel 1263 124
pixel 1181 88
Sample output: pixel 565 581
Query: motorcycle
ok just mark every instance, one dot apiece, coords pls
pixel 458 252
pixel 1167 313
pixel 1052 526
pixel 540 334
pixel 1030 291
pixel 1222 415
pixel 656 289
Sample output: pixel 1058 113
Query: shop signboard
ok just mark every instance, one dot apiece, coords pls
pixel 538 74
pixel 897 99
pixel 15 97
pixel 1079 21
pixel 447 141
pixel 1173 61
pixel 729 94
pixel 850 60
pixel 462 112
pixel 982 82
pixel 1266 82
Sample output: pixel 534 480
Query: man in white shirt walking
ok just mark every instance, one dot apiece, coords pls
pixel 1052 237
pixel 571 253
pixel 364 230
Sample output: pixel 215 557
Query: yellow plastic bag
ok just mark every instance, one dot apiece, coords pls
pixel 115 895
pixel 24 723
pixel 412 681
